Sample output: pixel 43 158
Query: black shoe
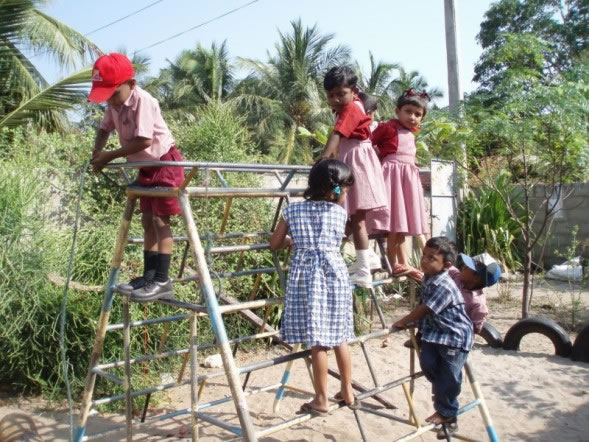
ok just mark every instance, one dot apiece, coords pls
pixel 126 288
pixel 153 290
pixel 451 428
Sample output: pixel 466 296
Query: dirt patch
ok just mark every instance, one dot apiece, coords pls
pixel 532 395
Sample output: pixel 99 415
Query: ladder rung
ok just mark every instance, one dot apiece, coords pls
pixel 110 377
pixel 219 423
pixel 120 325
pixel 167 354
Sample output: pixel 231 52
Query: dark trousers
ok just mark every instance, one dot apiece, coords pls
pixel 442 366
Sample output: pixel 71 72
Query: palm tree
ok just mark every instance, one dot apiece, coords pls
pixel 413 80
pixel 25 95
pixel 195 77
pixel 378 82
pixel 286 92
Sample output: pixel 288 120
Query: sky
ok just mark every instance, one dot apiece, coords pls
pixel 410 33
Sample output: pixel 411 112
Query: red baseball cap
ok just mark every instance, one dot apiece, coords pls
pixel 109 72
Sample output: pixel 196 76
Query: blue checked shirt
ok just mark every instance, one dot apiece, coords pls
pixel 447 323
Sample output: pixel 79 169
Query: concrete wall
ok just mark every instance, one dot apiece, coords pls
pixel 572 211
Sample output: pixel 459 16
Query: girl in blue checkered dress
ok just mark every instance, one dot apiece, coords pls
pixel 318 305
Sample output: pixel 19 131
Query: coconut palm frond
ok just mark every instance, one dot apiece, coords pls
pixel 17 74
pixel 13 16
pixel 56 39
pixel 60 96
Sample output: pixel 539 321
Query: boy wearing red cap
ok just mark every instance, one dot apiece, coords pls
pixel 144 136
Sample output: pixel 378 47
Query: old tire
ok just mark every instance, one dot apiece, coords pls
pixel 581 346
pixel 491 336
pixel 547 327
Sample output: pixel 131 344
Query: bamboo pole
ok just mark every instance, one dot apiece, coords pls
pixel 193 375
pixel 127 352
pixel 209 295
pixel 104 316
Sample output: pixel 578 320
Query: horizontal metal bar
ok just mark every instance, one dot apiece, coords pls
pixel 262 168
pixel 239 248
pixel 225 192
pixel 181 412
pixel 257 366
pixel 219 423
pixel 119 326
pixel 212 236
pixel 110 377
pixel 250 305
pixel 425 428
pixel 263 270
pixel 182 351
pixel 230 398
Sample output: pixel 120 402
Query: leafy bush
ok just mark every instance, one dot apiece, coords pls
pixel 39 177
pixel 485 225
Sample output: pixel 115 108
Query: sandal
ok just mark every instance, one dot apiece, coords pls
pixel 307 408
pixel 400 270
pixel 356 405
pixel 415 274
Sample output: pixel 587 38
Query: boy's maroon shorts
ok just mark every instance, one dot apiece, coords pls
pixel 165 176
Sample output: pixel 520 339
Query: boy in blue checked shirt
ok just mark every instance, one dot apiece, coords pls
pixel 446 331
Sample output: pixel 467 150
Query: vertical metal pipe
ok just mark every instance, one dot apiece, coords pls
pixel 104 316
pixel 413 414
pixel 183 262
pixel 226 215
pixel 285 377
pixel 127 352
pixel 376 305
pixel 412 304
pixel 217 324
pixel 369 363
pixel 360 425
pixel 193 376
pixel 478 394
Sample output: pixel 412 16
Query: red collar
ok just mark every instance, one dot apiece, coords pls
pixel 397 125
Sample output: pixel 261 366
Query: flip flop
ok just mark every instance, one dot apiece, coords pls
pixel 415 274
pixel 356 405
pixel 400 270
pixel 307 408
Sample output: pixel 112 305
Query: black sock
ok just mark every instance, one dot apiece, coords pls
pixel 150 261
pixel 163 266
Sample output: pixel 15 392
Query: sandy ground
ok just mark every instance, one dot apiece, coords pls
pixel 532 395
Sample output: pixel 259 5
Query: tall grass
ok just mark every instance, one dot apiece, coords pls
pixel 485 225
pixel 38 188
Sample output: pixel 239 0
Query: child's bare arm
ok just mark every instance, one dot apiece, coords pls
pixel 100 140
pixel 101 159
pixel 418 313
pixel 330 149
pixel 280 239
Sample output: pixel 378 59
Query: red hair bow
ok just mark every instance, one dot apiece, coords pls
pixel 412 92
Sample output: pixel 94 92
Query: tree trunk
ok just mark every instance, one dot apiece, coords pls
pixel 526 287
pixel 290 142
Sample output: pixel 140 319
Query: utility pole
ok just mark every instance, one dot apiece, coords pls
pixel 455 96
pixel 453 59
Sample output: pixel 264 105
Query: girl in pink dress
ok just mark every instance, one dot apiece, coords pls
pixel 396 146
pixel 350 142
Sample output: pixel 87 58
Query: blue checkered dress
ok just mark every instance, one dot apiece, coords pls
pixel 318 305
pixel 447 323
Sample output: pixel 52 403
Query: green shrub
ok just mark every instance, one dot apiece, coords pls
pixel 39 178
pixel 485 225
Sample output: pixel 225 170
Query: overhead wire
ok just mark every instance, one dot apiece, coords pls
pixel 196 27
pixel 131 14
pixel 122 18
